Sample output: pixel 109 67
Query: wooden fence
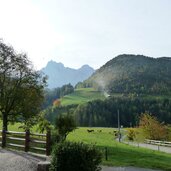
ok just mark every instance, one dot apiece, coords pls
pixel 27 141
pixel 160 143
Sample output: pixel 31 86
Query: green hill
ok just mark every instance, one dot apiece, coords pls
pixel 133 74
pixel 81 95
pixel 136 84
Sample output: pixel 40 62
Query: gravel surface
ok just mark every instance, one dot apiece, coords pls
pixel 16 161
pixel 150 146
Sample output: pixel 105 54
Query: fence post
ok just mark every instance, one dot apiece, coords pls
pixel 3 138
pixel 48 142
pixel 106 154
pixel 27 140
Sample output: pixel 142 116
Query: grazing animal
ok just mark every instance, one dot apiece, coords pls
pixel 99 130
pixel 115 133
pixel 90 130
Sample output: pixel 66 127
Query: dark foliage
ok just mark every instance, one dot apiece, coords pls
pixel 70 156
pixel 133 74
pixel 51 95
pixel 104 113
pixel 21 87
pixel 64 124
pixel 51 113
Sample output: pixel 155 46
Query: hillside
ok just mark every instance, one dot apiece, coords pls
pixel 58 74
pixel 133 74
pixel 81 95
pixel 133 84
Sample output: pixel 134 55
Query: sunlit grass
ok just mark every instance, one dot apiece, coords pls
pixel 81 95
pixel 17 127
pixel 120 154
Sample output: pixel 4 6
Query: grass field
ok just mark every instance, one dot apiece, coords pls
pixel 84 95
pixel 15 127
pixel 120 154
pixel 81 95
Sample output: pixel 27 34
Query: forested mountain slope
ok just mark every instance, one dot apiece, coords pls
pixel 133 74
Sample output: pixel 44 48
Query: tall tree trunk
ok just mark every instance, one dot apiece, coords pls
pixel 5 122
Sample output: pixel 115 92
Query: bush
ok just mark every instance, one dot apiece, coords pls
pixel 152 128
pixel 64 124
pixel 131 134
pixel 69 156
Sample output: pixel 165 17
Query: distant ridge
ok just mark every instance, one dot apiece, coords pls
pixel 133 74
pixel 59 75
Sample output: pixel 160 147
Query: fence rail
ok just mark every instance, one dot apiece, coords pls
pixel 160 143
pixel 26 141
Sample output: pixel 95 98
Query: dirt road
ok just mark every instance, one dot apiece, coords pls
pixel 150 146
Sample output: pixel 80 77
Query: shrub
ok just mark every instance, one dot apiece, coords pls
pixel 131 134
pixel 69 156
pixel 152 128
pixel 64 124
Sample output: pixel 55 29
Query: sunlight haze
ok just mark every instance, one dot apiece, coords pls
pixel 78 32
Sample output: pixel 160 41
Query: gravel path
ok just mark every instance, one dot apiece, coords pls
pixel 150 146
pixel 16 161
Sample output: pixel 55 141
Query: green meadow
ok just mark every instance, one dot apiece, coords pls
pixel 16 127
pixel 120 154
pixel 81 95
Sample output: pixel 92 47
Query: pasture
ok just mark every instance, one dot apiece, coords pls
pixel 81 95
pixel 16 127
pixel 120 154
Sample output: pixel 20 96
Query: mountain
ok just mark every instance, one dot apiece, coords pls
pixel 133 74
pixel 59 75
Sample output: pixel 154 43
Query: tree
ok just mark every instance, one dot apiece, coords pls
pixel 64 125
pixel 152 128
pixel 56 103
pixel 131 134
pixel 54 94
pixel 43 123
pixel 21 88
pixel 66 89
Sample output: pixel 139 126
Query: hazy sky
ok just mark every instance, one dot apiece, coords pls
pixel 77 32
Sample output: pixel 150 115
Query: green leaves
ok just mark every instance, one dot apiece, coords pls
pixel 64 125
pixel 152 128
pixel 75 156
pixel 21 87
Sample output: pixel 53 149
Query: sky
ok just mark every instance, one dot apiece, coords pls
pixel 78 32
